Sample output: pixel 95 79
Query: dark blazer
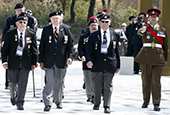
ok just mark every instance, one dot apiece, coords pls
pixel 29 56
pixel 129 33
pixel 137 39
pixel 10 23
pixel 52 52
pixel 82 47
pixel 103 62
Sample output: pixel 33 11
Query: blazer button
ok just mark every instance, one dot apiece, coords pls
pixel 20 57
pixel 55 47
pixel 54 53
pixel 104 59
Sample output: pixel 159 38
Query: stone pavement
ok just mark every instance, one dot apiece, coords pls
pixel 126 97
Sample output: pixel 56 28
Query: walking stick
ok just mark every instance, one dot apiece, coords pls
pixel 33 83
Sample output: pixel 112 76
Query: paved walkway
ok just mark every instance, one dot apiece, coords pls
pixel 126 97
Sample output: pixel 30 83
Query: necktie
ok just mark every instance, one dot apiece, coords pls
pixel 104 38
pixel 20 40
pixel 56 34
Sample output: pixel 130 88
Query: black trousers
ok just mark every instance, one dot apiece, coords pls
pixel 136 49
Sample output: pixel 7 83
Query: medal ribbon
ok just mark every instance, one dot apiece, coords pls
pixel 56 34
pixel 154 34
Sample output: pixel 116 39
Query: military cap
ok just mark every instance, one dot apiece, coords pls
pixel 105 17
pixel 22 16
pixel 19 5
pixel 56 13
pixel 131 17
pixel 100 14
pixel 92 19
pixel 154 11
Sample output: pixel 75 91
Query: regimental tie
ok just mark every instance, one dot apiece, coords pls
pixel 104 38
pixel 56 34
pixel 20 40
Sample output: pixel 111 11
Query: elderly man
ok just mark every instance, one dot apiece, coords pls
pixel 152 57
pixel 93 26
pixel 56 53
pixel 102 56
pixel 10 23
pixel 19 55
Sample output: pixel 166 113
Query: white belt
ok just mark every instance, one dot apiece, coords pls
pixel 152 45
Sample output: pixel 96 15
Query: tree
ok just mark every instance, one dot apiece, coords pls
pixel 72 11
pixel 91 8
pixel 108 4
pixel 23 1
pixel 103 3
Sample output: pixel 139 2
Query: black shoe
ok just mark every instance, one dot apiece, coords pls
pixel 96 107
pixel 89 100
pixel 84 86
pixel 47 108
pixel 106 110
pixel 156 108
pixel 6 87
pixel 92 99
pixel 145 105
pixel 20 107
pixel 13 101
pixel 136 73
pixel 59 105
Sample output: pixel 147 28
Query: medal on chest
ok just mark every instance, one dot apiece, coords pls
pixel 49 39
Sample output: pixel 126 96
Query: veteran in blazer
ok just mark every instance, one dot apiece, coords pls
pixel 10 24
pixel 56 53
pixel 93 26
pixel 102 55
pixel 152 57
pixel 19 56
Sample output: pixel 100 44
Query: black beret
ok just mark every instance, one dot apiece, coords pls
pixel 19 5
pixel 100 15
pixel 56 13
pixel 154 11
pixel 131 17
pixel 22 16
pixel 105 17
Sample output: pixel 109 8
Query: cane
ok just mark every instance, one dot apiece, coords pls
pixel 33 83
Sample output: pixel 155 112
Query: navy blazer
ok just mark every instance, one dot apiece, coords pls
pixel 82 47
pixel 55 53
pixel 103 62
pixel 9 48
pixel 10 23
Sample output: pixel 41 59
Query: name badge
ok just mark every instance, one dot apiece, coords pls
pixel 103 48
pixel 19 51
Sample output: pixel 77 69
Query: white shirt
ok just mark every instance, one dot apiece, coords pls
pixel 57 28
pixel 23 36
pixel 107 36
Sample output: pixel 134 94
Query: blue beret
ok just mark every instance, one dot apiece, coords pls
pixel 22 16
pixel 19 5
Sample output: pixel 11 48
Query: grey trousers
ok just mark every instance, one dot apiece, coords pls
pixel 97 78
pixel 18 80
pixel 54 85
pixel 89 84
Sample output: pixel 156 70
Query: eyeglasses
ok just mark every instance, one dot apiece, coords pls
pixel 22 22
pixel 105 21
